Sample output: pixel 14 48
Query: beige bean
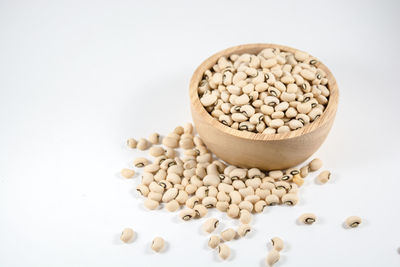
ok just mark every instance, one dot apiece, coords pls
pixel 200 210
pixel 277 243
pixel 209 202
pixel 210 225
pixel 243 230
pixel 172 206
pixel 222 206
pixel 127 173
pixel 170 142
pixel 127 235
pixel 169 195
pixel 228 234
pixel 260 206
pixel 143 190
pixel 315 165
pixel 131 142
pixel 211 179
pixel 151 168
pixel 272 257
pixel 154 138
pixel 155 196
pixel 151 204
pixel 272 200
pixel 298 180
pixel 214 241
pixel 224 251
pixel 353 221
pixel 324 177
pixel 245 216
pixel 158 244
pixel 187 214
pixel 290 199
pixel 182 196
pixel 307 218
pixel 233 211
pixel 140 162
pixel 246 205
pixel 142 144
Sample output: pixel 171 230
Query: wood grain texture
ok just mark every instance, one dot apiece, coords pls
pixel 248 149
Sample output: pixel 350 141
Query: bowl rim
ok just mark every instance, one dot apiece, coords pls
pixel 326 117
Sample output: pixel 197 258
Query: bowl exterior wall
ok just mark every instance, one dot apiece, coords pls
pixel 266 155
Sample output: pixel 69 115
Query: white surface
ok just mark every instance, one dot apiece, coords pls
pixel 79 77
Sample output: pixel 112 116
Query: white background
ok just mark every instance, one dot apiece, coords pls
pixel 79 77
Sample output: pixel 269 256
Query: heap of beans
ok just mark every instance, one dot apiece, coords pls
pixel 272 92
pixel 198 182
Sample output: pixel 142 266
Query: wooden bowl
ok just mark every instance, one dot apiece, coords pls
pixel 264 151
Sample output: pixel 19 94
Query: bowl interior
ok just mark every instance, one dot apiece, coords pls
pixel 327 115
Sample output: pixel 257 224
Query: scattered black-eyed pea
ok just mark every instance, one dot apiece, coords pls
pixel 278 192
pixel 277 243
pixel 143 190
pixel 298 180
pixel 252 198
pixel 127 173
pixel 209 202
pixel 170 152
pixel 222 206
pixel 304 171
pixel 172 206
pixel 152 168
pixel 233 210
pixel 228 234
pixel 324 177
pixel 178 130
pixel 170 142
pixel 186 143
pixel 245 216
pixel 158 244
pixel 154 138
pixel 151 204
pixel 214 241
pixel 353 221
pixel 275 174
pixel 211 179
pixel 224 251
pixel 147 178
pixel 192 201
pixel 155 187
pixel 282 185
pixel 140 162
pixel 210 225
pixel 127 235
pixel 315 165
pixel 154 196
pixel 200 210
pixel 187 214
pixel 272 200
pixel 243 230
pixel 156 151
pixel 259 206
pixel 165 184
pixel 307 218
pixel 182 196
pixel 272 257
pixel 142 144
pixel 246 205
pixel 131 142
pixel 236 197
pixel 290 199
pixel 170 194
